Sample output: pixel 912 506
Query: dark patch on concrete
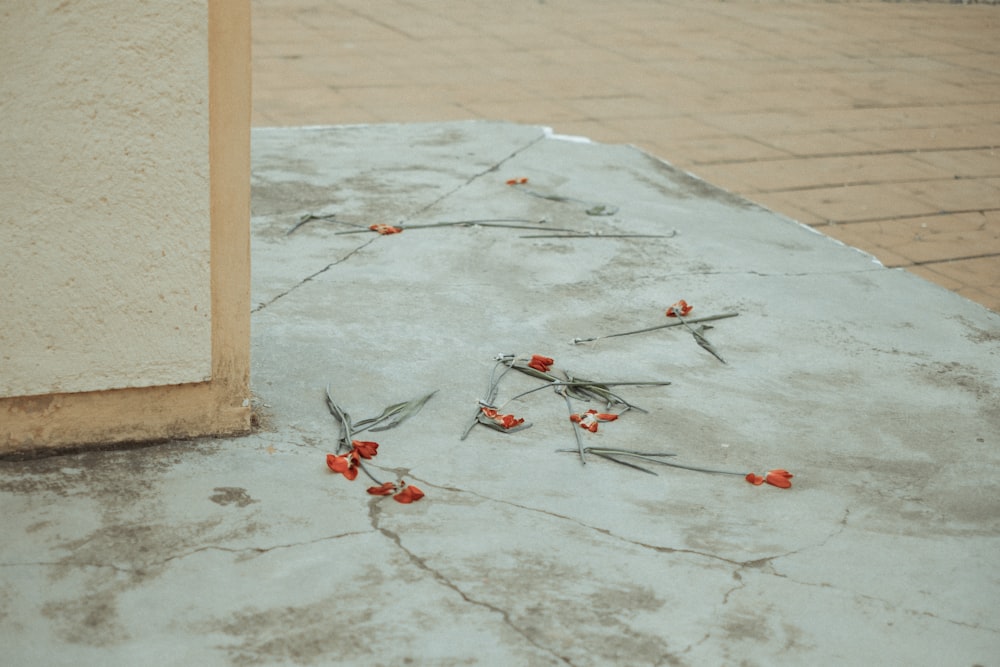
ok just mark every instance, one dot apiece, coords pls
pixel 978 334
pixel 291 198
pixel 303 635
pixel 91 620
pixel 231 495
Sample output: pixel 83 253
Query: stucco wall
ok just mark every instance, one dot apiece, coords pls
pixel 104 184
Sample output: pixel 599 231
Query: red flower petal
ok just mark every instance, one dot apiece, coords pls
pixel 517 181
pixel 756 480
pixel 780 478
pixel 408 495
pixel 365 448
pixel 385 229
pixel 386 489
pixel 575 418
pixel 337 463
pixel 346 465
pixel 606 417
pixel 507 421
pixel 682 307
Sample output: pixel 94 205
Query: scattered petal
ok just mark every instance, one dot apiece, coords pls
pixel 517 181
pixel 591 418
pixel 345 464
pixel 366 449
pixel 541 363
pixel 506 421
pixel 780 478
pixel 409 494
pixel 385 229
pixel 386 489
pixel 681 308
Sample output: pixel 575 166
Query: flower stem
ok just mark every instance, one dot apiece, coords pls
pixel 709 318
pixel 579 441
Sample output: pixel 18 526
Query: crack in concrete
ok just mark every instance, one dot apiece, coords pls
pixel 144 568
pixel 492 168
pixel 310 277
pixel 375 510
pixel 466 183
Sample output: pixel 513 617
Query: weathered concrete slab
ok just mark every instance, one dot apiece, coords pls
pixel 881 393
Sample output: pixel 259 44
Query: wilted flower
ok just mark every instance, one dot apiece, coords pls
pixel 364 448
pixel 681 308
pixel 409 494
pixel 541 363
pixel 385 229
pixel 346 464
pixel 402 493
pixel 506 421
pixel 778 477
pixel 591 418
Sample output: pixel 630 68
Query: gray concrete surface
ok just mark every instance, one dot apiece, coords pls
pixel 879 391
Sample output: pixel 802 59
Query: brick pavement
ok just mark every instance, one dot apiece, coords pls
pixel 877 123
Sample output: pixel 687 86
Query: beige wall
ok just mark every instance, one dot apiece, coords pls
pixel 124 230
pixel 104 182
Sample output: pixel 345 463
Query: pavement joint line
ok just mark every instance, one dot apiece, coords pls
pixel 911 216
pixel 811 156
pixel 855 184
pixel 927 262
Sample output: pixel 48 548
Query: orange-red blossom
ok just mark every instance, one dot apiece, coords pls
pixel 506 421
pixel 401 493
pixel 591 418
pixel 778 477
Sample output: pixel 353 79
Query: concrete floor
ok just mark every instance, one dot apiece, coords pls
pixel 878 390
pixel 877 123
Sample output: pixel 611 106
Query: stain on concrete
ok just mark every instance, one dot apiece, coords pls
pixel 231 495
pixel 90 620
pixel 303 635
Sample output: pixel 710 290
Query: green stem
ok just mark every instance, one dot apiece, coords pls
pixel 710 318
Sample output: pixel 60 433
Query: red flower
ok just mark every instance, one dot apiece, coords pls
pixel 591 418
pixel 680 308
pixel 385 229
pixel 507 421
pixel 401 493
pixel 778 477
pixel 517 181
pixel 365 448
pixel 346 465
pixel 540 363
pixel 409 494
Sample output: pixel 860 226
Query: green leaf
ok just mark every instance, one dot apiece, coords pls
pixel 402 412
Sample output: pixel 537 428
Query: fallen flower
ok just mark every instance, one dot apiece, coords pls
pixel 346 464
pixel 401 493
pixel 506 421
pixel 409 494
pixel 778 477
pixel 681 308
pixel 385 229
pixel 366 449
pixel 591 418
pixel 517 181
pixel 540 363
pixel 386 489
